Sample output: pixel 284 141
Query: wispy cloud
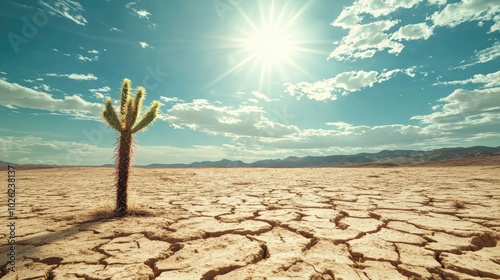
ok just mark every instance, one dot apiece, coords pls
pixel 115 29
pixel 344 135
pixel 145 45
pixel 347 82
pixel 211 118
pixel 462 115
pixel 43 87
pixel 141 13
pixel 69 9
pixel 261 96
pixel 465 112
pixel 86 58
pixel 80 77
pixel 20 96
pixel 469 114
pixel 171 99
pixel 370 32
pixel 364 40
pixel 469 10
pixel 98 92
pixel 413 32
pixel 484 56
pixel 488 80
pixel 37 150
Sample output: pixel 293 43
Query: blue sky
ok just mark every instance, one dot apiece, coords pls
pixel 249 80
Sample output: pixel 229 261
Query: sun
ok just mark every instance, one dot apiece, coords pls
pixel 268 44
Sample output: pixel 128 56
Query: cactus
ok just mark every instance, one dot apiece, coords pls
pixel 126 124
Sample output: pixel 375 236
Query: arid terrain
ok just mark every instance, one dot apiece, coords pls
pixel 429 222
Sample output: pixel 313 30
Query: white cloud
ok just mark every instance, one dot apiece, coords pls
pixel 496 24
pixel 102 89
pixel 143 13
pixel 379 8
pixel 261 96
pixel 466 10
pixel 9 106
pixel 115 29
pixel 98 92
pixel 354 14
pixel 86 58
pixel 99 95
pixel 344 135
pixel 464 107
pixel 3 73
pixel 488 80
pixel 19 96
pixel 43 87
pixel 413 32
pixel 73 76
pixel 437 2
pixel 353 81
pixel 36 150
pixel 320 90
pixel 347 81
pixel 364 40
pixel 69 9
pixel 348 18
pixel 170 99
pixel 94 52
pixel 484 56
pixel 145 45
pixel 201 115
pixel 130 4
pixel 488 54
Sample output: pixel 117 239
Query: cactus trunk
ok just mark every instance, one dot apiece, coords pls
pixel 123 165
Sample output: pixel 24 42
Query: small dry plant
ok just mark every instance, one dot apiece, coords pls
pixel 457 203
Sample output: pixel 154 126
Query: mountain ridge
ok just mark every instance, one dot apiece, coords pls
pixel 383 158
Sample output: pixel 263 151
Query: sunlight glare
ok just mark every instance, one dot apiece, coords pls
pixel 270 46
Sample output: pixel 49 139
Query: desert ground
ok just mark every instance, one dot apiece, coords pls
pixel 257 223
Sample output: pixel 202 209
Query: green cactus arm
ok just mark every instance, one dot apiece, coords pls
pixel 139 97
pixel 134 108
pixel 131 114
pixel 110 116
pixel 148 118
pixel 124 97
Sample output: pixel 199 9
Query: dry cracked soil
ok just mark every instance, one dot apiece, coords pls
pixel 260 223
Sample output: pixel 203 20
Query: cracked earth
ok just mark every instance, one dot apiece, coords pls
pixel 308 223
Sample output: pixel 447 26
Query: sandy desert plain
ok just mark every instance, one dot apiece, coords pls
pixel 430 222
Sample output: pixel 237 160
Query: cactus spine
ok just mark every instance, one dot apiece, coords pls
pixel 126 124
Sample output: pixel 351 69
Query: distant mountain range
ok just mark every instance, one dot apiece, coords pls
pixel 383 158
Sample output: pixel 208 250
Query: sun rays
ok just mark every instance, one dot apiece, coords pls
pixel 266 45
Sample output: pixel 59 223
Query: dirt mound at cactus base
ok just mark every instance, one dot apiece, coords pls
pixel 307 223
